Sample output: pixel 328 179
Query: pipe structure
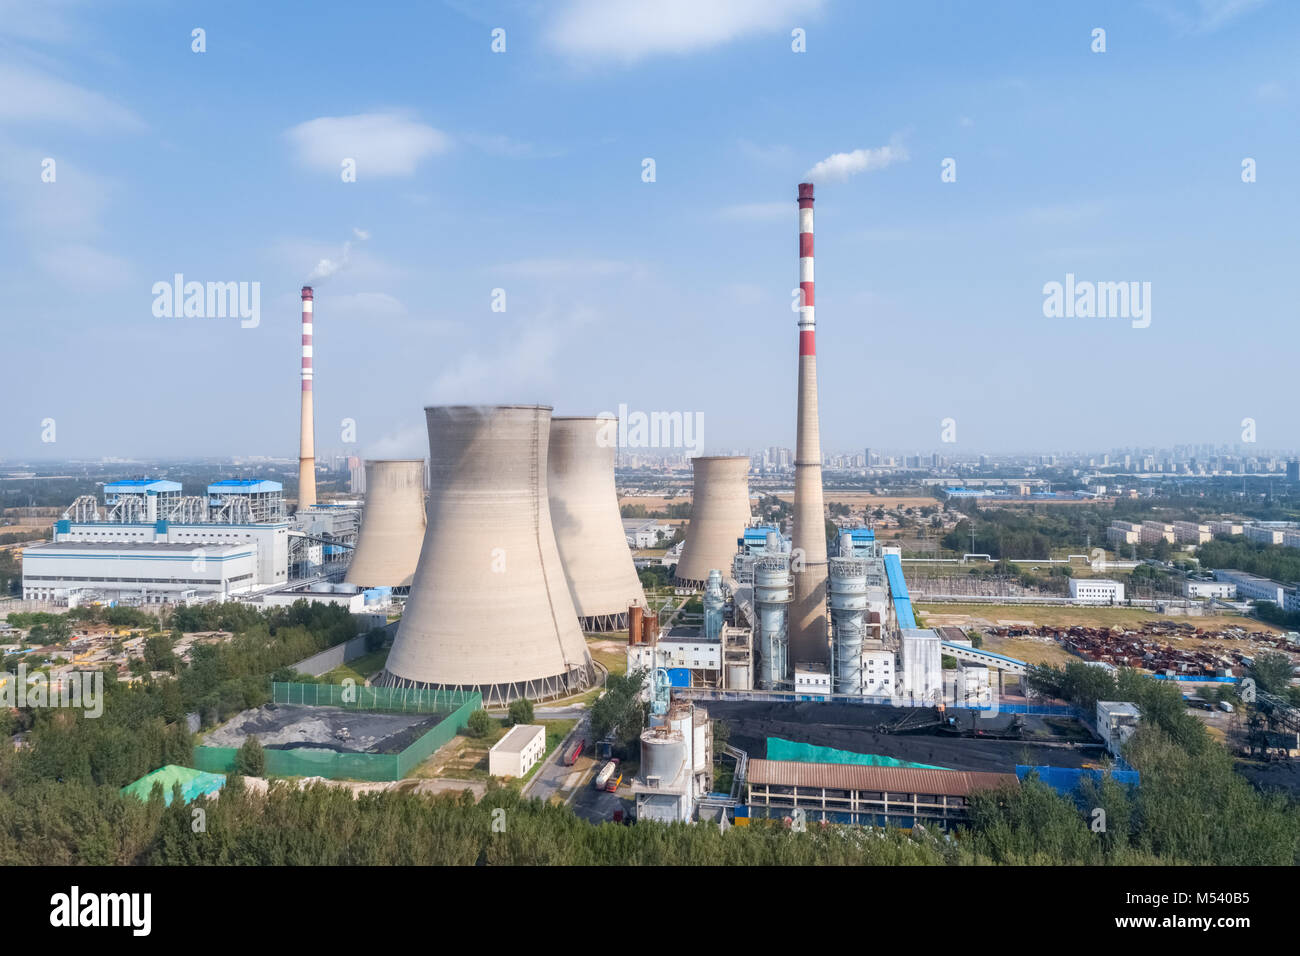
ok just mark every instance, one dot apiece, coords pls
pixel 588 528
pixel 808 625
pixel 490 610
pixel 772 594
pixel 392 525
pixel 719 515
pixel 848 590
pixel 307 427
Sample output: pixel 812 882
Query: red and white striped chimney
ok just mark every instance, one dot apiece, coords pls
pixel 306 438
pixel 807 320
pixel 809 642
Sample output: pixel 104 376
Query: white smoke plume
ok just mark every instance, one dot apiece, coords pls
pixel 840 166
pixel 328 267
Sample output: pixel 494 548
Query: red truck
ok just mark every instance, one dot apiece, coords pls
pixel 573 753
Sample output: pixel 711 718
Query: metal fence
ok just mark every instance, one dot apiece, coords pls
pixel 337 765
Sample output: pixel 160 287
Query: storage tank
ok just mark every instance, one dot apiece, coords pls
pixel 588 528
pixel 635 614
pixel 392 524
pixel 772 596
pixel 738 677
pixel 681 718
pixel 848 589
pixel 663 754
pixel 489 608
pixel 702 747
pixel 719 515
pixel 715 606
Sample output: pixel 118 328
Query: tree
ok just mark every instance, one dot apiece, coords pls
pixel 479 724
pixel 620 712
pixel 375 638
pixel 521 711
pixel 250 760
pixel 1272 672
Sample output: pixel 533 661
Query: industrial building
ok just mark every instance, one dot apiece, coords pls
pixel 489 607
pixel 150 544
pixel 719 512
pixel 863 795
pixel 1117 721
pixel 588 529
pixel 518 751
pixel 1251 587
pixel 1223 590
pixel 676 768
pixel 1096 590
pixel 392 525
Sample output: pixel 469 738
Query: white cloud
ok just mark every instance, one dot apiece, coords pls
pixel 840 166
pixel 383 144
pixel 630 30
pixel 1204 16
pixel 82 264
pixel 527 361
pixel 37 98
pixel 759 211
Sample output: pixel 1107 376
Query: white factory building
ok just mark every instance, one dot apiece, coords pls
pixel 1251 587
pixel 1097 590
pixel 150 544
pixel 1224 590
pixel 516 753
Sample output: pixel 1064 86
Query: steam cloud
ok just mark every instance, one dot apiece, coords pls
pixel 328 267
pixel 840 166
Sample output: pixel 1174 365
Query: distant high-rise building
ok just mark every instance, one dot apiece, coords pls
pixel 1293 471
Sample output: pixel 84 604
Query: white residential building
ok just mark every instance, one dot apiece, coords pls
pixel 1261 534
pixel 1191 532
pixel 1153 532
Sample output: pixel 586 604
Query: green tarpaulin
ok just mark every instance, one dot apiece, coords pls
pixel 193 783
pixel 778 749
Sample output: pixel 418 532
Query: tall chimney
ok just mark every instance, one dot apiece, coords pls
pixel 306 440
pixel 808 626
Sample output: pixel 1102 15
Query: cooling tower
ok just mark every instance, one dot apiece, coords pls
pixel 489 608
pixel 588 529
pixel 719 515
pixel 392 525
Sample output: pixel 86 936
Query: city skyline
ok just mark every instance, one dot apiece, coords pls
pixel 671 294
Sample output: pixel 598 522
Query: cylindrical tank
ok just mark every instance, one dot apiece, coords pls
pixel 489 608
pixel 738 677
pixel 682 720
pixel 392 525
pixel 701 749
pixel 663 753
pixel 346 588
pixel 634 615
pixel 848 589
pixel 772 595
pixel 714 606
pixel 719 514
pixel 650 628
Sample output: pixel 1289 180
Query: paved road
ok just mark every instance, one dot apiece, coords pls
pixel 553 777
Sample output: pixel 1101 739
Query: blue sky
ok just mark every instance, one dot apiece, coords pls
pixel 522 171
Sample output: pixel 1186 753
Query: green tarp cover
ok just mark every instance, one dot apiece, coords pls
pixel 193 783
pixel 778 749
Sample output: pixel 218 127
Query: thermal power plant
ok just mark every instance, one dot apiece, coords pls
pixel 392 525
pixel 307 427
pixel 588 528
pixel 848 590
pixel 489 608
pixel 808 631
pixel 719 515
pixel 715 606
pixel 773 590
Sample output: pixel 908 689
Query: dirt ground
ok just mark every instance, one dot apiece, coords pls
pixel 285 727
pixel 854 727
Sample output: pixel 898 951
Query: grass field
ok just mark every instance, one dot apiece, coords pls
pixel 466 758
pixel 361 669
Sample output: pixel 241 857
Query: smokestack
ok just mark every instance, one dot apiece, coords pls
pixel 808 625
pixel 306 440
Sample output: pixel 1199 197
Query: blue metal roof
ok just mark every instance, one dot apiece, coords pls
pixel 137 485
pixel 243 486
pixel 759 534
pixel 862 534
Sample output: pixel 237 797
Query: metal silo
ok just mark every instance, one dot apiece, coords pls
pixel 715 606
pixel 588 529
pixel 663 754
pixel 489 608
pixel 392 525
pixel 719 515
pixel 848 589
pixel 772 596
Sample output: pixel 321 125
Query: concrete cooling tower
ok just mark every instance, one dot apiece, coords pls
pixel 588 528
pixel 719 515
pixel 489 608
pixel 392 525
